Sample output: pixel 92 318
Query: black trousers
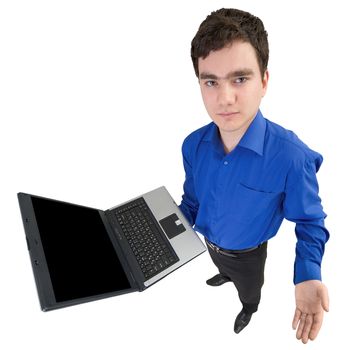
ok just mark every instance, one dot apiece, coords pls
pixel 246 271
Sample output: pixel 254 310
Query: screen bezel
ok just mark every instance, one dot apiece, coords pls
pixel 40 268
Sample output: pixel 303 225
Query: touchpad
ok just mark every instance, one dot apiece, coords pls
pixel 172 226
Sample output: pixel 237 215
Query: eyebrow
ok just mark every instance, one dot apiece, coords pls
pixel 230 75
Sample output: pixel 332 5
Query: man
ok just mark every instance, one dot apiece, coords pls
pixel 245 174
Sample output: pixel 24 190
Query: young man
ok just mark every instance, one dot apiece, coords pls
pixel 245 174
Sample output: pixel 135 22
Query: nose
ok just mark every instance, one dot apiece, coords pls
pixel 226 94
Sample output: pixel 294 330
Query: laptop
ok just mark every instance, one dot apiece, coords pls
pixel 80 254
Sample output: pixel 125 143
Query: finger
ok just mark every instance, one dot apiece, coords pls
pixel 316 325
pixel 307 328
pixel 324 298
pixel 296 318
pixel 301 326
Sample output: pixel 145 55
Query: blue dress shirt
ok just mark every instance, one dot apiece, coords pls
pixel 239 200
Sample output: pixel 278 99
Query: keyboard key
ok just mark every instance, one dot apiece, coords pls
pixel 152 250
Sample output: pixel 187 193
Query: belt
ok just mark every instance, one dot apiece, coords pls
pixel 231 253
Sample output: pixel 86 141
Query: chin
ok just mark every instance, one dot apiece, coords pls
pixel 229 126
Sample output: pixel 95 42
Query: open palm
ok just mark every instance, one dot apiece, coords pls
pixel 311 298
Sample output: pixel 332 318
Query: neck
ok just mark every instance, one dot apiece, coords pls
pixel 231 138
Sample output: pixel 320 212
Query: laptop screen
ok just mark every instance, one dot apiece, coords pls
pixel 80 255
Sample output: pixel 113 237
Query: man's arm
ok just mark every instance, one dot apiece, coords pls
pixel 189 203
pixel 302 205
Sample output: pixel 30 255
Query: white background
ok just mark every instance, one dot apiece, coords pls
pixel 96 99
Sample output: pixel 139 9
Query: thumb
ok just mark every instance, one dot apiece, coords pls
pixel 324 298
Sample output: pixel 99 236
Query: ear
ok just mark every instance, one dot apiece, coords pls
pixel 265 81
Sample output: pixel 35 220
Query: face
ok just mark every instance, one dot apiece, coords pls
pixel 232 86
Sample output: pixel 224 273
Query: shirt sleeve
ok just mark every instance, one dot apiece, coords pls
pixel 302 205
pixel 189 203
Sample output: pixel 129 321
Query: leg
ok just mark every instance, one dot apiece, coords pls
pixel 249 281
pixel 248 276
pixel 246 271
pixel 220 278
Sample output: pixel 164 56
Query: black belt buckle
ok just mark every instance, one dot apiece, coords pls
pixel 232 254
pixel 220 251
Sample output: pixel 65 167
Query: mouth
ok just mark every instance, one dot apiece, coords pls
pixel 228 114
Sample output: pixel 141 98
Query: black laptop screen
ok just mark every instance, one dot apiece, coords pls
pixel 80 255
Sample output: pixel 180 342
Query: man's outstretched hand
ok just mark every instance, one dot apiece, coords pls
pixel 311 298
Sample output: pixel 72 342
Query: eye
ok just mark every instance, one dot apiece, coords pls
pixel 240 80
pixel 210 83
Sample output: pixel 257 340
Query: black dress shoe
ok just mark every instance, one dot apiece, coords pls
pixel 242 320
pixel 217 280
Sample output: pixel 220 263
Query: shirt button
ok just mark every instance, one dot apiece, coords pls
pixel 225 162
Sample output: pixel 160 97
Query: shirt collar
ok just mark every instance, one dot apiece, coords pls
pixel 253 138
pixel 213 136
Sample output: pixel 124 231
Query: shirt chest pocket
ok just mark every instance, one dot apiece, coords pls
pixel 247 204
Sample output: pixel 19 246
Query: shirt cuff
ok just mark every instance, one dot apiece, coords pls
pixel 306 270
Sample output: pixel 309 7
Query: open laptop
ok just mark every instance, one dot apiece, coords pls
pixel 80 254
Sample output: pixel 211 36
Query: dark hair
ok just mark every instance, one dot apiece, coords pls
pixel 224 26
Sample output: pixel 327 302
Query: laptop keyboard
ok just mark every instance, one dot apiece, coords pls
pixel 151 249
